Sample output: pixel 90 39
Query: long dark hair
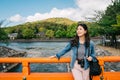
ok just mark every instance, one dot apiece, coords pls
pixel 75 41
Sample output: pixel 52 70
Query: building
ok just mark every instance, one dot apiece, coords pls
pixel 13 36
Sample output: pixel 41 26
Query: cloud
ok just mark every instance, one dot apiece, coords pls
pixel 16 18
pixel 71 13
pixel 85 8
pixel 88 7
pixel 67 13
pixel 93 4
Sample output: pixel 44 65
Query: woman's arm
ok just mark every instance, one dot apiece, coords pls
pixel 62 52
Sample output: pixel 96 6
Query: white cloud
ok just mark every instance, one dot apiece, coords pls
pixel 16 18
pixel 85 8
pixel 71 13
pixel 53 13
pixel 88 7
pixel 93 4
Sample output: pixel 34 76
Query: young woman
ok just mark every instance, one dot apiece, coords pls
pixel 80 58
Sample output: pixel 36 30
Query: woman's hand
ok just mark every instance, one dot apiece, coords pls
pixel 89 58
pixel 52 57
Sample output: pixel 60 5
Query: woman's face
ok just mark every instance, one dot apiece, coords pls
pixel 81 31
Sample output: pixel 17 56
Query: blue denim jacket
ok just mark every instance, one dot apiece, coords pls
pixel 73 56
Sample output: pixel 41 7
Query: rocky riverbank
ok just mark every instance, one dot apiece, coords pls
pixel 108 66
pixel 8 52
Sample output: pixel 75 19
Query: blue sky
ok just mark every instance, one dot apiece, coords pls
pixel 29 7
pixel 21 11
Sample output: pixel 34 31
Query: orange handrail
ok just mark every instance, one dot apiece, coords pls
pixel 27 75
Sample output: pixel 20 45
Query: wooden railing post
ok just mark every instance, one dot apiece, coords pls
pixel 102 66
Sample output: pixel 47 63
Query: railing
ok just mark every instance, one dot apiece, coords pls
pixel 27 75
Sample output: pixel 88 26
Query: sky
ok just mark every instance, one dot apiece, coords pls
pixel 21 11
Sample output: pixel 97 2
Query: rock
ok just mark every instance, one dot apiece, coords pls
pixel 101 52
pixel 108 66
pixel 8 52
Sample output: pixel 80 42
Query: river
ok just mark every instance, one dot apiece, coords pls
pixel 40 49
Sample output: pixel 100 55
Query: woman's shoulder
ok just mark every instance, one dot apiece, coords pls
pixel 73 43
pixel 68 43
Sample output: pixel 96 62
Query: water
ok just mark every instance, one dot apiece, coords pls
pixel 40 49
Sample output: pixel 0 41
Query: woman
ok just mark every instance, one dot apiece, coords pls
pixel 80 58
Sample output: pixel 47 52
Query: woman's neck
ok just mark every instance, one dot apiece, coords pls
pixel 82 39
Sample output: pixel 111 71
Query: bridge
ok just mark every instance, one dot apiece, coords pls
pixel 27 75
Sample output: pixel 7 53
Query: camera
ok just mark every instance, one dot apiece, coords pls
pixel 81 62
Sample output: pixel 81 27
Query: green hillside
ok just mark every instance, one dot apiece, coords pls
pixel 48 28
pixel 59 21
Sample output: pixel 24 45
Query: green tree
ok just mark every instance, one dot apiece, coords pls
pixel 71 31
pixel 60 33
pixel 50 33
pixel 3 34
pixel 116 27
pixel 94 29
pixel 42 29
pixel 109 18
pixel 28 33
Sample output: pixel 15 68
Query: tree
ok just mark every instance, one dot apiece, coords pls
pixel 28 33
pixel 109 20
pixel 71 31
pixel 109 17
pixel 116 27
pixel 94 29
pixel 50 33
pixel 60 33
pixel 3 34
pixel 42 29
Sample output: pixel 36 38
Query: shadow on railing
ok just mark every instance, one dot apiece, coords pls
pixel 27 75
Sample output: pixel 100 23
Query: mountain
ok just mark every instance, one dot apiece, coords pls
pixel 57 27
pixel 59 21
